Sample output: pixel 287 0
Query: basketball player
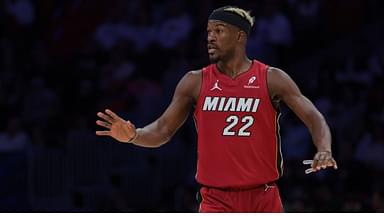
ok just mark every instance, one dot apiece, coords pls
pixel 236 102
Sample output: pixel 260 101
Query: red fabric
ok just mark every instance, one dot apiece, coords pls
pixel 237 142
pixel 255 200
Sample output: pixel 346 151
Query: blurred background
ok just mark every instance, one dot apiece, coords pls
pixel 61 61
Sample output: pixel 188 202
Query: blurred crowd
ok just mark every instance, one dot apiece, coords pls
pixel 61 61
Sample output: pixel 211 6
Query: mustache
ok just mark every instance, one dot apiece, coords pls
pixel 212 46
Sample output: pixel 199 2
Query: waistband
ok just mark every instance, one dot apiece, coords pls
pixel 265 187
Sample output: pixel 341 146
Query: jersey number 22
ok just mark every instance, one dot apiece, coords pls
pixel 233 120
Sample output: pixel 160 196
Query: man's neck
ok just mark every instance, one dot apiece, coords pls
pixel 234 67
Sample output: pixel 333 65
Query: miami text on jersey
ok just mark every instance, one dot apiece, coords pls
pixel 231 104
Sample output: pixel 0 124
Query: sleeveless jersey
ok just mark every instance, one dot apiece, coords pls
pixel 238 130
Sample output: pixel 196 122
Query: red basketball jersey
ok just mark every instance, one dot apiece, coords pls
pixel 238 131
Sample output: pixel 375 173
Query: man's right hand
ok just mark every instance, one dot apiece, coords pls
pixel 118 128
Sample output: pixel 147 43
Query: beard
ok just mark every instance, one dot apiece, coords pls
pixel 214 59
pixel 213 53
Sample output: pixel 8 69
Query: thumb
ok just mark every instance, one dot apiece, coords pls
pixel 131 126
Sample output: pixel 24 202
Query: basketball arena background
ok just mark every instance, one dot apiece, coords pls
pixel 61 61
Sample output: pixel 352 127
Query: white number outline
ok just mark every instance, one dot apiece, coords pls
pixel 233 120
pixel 248 120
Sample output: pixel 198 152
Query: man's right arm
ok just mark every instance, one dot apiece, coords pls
pixel 161 130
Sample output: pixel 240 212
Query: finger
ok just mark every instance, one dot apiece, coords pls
pixel 331 162
pixel 307 162
pixel 130 125
pixel 105 117
pixel 327 163
pixel 103 124
pixel 103 133
pixel 334 164
pixel 315 164
pixel 320 161
pixel 322 164
pixel 112 114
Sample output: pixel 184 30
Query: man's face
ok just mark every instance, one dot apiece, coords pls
pixel 222 40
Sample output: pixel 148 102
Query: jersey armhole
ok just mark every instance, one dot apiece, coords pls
pixel 267 89
pixel 201 86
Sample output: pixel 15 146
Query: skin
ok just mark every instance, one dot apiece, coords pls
pixel 226 47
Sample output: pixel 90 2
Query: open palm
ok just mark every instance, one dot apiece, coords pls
pixel 118 128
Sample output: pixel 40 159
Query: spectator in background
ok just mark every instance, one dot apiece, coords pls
pixel 23 11
pixel 41 104
pixel 14 143
pixel 370 149
pixel 273 35
pixel 14 139
pixel 296 140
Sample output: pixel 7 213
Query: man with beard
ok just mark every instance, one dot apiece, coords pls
pixel 236 110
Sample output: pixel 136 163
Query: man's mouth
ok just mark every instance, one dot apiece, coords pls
pixel 211 49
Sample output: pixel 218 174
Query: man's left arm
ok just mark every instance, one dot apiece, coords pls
pixel 282 87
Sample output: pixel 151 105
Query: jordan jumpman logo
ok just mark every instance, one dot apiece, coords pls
pixel 216 86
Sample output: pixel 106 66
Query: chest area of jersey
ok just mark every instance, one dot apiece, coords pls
pixel 240 95
pixel 218 85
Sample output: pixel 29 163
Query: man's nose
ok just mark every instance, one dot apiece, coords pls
pixel 211 38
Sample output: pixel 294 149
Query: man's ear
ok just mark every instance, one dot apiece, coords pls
pixel 241 36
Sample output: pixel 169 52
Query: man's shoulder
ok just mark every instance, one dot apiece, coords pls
pixel 206 68
pixel 190 83
pixel 193 76
pixel 196 72
pixel 274 71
